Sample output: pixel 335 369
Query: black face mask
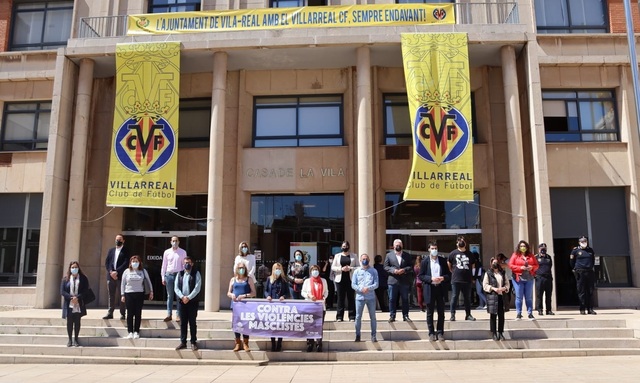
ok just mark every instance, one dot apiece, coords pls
pixel 462 244
pixel 494 265
pixel 398 248
pixel 543 251
pixel 345 249
pixel 119 243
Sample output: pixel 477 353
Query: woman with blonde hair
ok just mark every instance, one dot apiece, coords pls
pixel 277 287
pixel 247 258
pixel 241 287
pixel 315 289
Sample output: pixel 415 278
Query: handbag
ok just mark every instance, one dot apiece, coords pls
pixel 88 296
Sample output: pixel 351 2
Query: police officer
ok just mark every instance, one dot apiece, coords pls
pixel 582 261
pixel 544 280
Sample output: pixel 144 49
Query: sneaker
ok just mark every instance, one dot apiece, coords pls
pixel 122 317
pixel 432 337
pixel 181 346
pixel 130 336
pixel 440 336
pixel 519 317
pixel 470 318
pixel 194 347
pixel 549 312
pixel 531 317
pixel 453 318
pixel 540 312
pixel 406 319
pixel 391 320
pixel 167 319
pixel 136 335
pixel 374 339
pixel 591 312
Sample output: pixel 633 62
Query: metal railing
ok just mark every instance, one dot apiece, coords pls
pixel 491 13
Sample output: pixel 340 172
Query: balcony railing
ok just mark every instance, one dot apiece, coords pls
pixel 466 13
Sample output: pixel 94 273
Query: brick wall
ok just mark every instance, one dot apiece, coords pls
pixel 616 16
pixel 5 23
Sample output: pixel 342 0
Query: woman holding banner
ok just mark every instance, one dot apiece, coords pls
pixel 241 287
pixel 277 287
pixel 315 289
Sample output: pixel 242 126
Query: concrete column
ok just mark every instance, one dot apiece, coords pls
pixel 214 210
pixel 366 219
pixel 78 162
pixel 54 204
pixel 514 144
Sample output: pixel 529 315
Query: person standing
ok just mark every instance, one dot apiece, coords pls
pixel 134 280
pixel 582 261
pixel 504 264
pixel 544 279
pixel 73 286
pixel 298 272
pixel 364 283
pixel 344 264
pixel 187 287
pixel 241 287
pixel 524 265
pixel 329 275
pixel 247 258
pixel 400 268
pixel 459 262
pixel 435 276
pixel 172 264
pixel 277 287
pixel 496 285
pixel 381 292
pixel 116 263
pixel 315 289
pixel 477 273
pixel 418 283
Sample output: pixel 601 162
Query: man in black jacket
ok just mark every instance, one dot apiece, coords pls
pixel 400 268
pixel 116 262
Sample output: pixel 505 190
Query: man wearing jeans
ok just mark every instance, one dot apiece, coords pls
pixel 400 269
pixel 459 261
pixel 364 283
pixel 172 264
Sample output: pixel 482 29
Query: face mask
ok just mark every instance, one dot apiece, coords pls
pixel 494 265
pixel 244 250
pixel 135 265
pixel 298 257
pixel 462 244
pixel 330 260
pixel 523 249
pixel 187 266
pixel 434 253
pixel 119 243
pixel 74 270
pixel 345 249
pixel 365 262
pixel 543 251
pixel 315 273
pixel 278 272
pixel 174 243
pixel 583 245
pixel 240 271
pixel 398 248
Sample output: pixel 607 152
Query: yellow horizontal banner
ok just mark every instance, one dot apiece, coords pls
pixel 288 18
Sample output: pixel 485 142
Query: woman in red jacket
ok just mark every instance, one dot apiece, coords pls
pixel 523 264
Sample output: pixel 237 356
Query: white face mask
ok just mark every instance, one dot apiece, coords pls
pixel 174 243
pixel 135 265
pixel 434 253
pixel 583 245
pixel 315 273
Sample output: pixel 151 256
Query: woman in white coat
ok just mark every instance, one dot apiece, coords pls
pixel 344 264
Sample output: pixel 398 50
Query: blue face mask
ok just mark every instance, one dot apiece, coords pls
pixel 187 266
pixel 74 270
pixel 298 257
pixel 278 272
pixel 240 271
pixel 135 265
pixel 244 250
pixel 365 262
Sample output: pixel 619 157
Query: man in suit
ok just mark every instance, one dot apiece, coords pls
pixel 117 261
pixel 400 269
pixel 187 287
pixel 435 277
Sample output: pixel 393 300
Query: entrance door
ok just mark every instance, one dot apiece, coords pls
pixel 416 242
pixel 151 246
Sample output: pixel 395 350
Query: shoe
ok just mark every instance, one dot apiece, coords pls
pixel 357 338
pixel 76 343
pixel 279 345
pixel 540 312
pixel 122 317
pixel 108 316
pixel 582 312
pixel 136 335
pixel 406 319
pixel 319 346
pixel 432 337
pixel 440 336
pixel 130 336
pixel 178 319
pixel 194 347
pixel 339 320
pixel 391 320
pixel 453 318
pixel 549 312
pixel 495 336
pixel 238 345
pixel 470 318
pixel 181 346
pixel 69 343
pixel 167 319
pixel 310 344
pixel 245 344
pixel 501 336
pixel 273 345
pixel 519 317
pixel 351 320
pixel 591 312
pixel 481 308
pixel 374 339
pixel 506 310
pixel 531 317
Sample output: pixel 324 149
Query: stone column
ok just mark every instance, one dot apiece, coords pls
pixel 214 201
pixel 366 219
pixel 56 183
pixel 78 162
pixel 514 144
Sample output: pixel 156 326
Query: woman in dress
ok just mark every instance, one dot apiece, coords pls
pixel 134 281
pixel 277 287
pixel 73 285
pixel 241 287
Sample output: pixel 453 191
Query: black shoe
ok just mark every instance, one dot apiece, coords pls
pixel 108 316
pixel 540 312
pixel 440 336
pixel 391 320
pixel 69 343
pixel 76 343
pixel 194 347
pixel 279 345
pixel 310 344
pixel 122 317
pixel 273 345
pixel 549 312
pixel 582 312
pixel 470 318
pixel 531 317
pixel 357 338
pixel 495 336
pixel 519 317
pixel 181 346
pixel 319 346
pixel 406 319
pixel 432 337
pixel 453 318
pixel 339 320
pixel 501 336
pixel 591 312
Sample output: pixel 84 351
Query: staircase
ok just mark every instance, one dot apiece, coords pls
pixel 39 336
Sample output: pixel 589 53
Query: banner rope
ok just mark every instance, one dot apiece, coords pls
pixel 468 202
pixel 188 218
pixel 99 218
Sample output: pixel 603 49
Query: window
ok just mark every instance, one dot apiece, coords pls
pixel 195 123
pixel 165 6
pixel 424 1
pixel 298 121
pixel 25 126
pixel 40 25
pixel 574 116
pixel 296 3
pixel 19 238
pixel 571 16
pixel 397 122
pixel 431 214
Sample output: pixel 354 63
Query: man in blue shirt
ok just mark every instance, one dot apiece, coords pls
pixel 187 287
pixel 364 283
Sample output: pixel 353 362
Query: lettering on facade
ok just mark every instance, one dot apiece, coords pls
pixel 289 172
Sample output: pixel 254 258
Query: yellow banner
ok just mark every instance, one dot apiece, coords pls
pixel 436 67
pixel 144 154
pixel 288 18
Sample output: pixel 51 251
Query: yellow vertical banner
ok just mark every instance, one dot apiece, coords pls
pixel 144 152
pixel 436 68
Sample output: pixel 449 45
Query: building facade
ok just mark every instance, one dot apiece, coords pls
pixel 301 137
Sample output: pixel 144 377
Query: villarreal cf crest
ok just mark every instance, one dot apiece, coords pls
pixel 442 133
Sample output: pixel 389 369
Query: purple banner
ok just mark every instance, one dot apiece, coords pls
pixel 286 319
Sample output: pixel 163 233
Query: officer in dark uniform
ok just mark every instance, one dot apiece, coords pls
pixel 582 261
pixel 544 280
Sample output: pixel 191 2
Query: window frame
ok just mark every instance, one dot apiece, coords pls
pixel 297 137
pixel 41 45
pixel 580 132
pixel 575 28
pixel 173 6
pixel 195 142
pixel 301 3
pixel 34 141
